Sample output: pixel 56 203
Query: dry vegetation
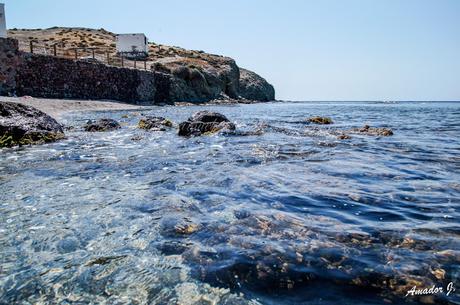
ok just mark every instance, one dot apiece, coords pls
pixel 103 42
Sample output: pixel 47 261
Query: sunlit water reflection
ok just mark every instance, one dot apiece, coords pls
pixel 293 215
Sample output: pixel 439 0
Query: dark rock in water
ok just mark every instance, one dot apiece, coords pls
pixel 154 123
pixel 343 136
pixel 205 122
pixel 101 125
pixel 255 87
pixel 136 138
pixel 373 131
pixel 320 120
pixel 23 125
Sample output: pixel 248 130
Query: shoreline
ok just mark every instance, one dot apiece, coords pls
pixel 56 108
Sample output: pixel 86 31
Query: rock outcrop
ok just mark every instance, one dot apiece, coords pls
pixel 254 87
pixel 204 122
pixel 23 125
pixel 154 123
pixel 101 125
pixel 196 80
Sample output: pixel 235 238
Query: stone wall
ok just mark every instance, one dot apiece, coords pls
pixel 9 62
pixel 52 77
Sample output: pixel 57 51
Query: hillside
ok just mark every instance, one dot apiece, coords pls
pixel 187 75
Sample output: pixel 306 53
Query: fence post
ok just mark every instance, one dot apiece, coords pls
pixel 122 61
pixel 76 54
pixel 55 50
pixel 108 58
pixel 93 54
pixel 145 64
pixel 135 63
pixel 31 46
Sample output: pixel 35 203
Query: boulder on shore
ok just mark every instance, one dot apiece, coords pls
pixel 154 123
pixel 101 125
pixel 205 122
pixel 24 125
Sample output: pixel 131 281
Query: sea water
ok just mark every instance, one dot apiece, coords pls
pixel 289 214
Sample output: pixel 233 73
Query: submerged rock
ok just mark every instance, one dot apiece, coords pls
pixel 172 226
pixel 23 125
pixel 154 123
pixel 373 131
pixel 101 125
pixel 205 122
pixel 320 120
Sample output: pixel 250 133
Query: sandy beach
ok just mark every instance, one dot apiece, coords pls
pixel 57 107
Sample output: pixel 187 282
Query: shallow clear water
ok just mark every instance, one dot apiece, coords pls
pixel 294 215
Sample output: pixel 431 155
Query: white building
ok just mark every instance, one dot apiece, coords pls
pixel 132 43
pixel 2 21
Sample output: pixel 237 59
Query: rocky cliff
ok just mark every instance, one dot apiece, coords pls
pixel 254 87
pixel 180 75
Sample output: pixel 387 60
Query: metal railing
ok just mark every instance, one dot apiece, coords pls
pixel 88 54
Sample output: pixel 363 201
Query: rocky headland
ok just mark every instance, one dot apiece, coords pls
pixel 173 75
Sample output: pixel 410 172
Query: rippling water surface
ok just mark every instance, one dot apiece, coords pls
pixel 290 215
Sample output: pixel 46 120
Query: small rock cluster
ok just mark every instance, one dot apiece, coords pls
pixel 373 131
pixel 22 125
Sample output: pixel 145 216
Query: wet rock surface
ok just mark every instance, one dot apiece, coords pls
pixel 320 120
pixel 373 131
pixel 205 122
pixel 101 125
pixel 23 125
pixel 254 87
pixel 155 123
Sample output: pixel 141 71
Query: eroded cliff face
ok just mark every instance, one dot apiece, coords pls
pixel 176 74
pixel 254 87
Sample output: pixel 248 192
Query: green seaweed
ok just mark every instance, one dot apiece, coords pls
pixel 143 124
pixel 6 140
pixel 9 140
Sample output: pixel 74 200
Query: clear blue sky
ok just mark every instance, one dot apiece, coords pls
pixel 309 50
